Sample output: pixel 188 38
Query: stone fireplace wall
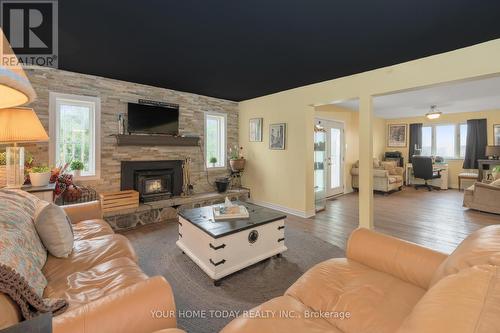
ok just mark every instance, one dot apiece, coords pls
pixel 114 96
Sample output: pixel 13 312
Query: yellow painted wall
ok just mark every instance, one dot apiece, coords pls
pixel 351 128
pixel 455 165
pixel 285 178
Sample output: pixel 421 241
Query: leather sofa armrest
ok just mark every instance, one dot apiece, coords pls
pixel 145 307
pixel 84 211
pixel 407 261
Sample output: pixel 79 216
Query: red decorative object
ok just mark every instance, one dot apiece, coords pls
pixel 72 193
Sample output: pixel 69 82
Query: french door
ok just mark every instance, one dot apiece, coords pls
pixel 334 156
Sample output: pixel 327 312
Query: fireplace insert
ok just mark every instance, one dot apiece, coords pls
pixel 154 185
pixel 154 180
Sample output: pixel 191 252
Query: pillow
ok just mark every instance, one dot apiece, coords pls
pixel 54 228
pixel 390 166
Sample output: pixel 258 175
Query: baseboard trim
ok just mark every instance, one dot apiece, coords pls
pixel 291 211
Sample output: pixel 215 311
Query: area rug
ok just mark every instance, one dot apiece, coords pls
pixel 200 304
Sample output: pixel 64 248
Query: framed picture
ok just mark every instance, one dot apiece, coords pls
pixel 496 134
pixel 277 136
pixel 396 136
pixel 255 130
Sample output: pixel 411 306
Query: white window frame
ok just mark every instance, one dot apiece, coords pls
pixel 457 140
pixel 95 102
pixel 222 137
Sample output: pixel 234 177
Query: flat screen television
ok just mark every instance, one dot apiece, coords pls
pixel 153 119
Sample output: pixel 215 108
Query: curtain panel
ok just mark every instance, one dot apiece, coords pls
pixel 477 139
pixel 415 140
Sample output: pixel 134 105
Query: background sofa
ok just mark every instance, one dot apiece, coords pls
pixel 387 176
pixel 388 285
pixel 483 197
pixel 106 290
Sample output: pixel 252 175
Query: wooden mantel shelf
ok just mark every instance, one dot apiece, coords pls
pixel 155 140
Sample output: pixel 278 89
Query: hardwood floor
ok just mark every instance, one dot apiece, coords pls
pixel 433 219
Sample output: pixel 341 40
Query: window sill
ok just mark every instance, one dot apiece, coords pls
pixel 216 168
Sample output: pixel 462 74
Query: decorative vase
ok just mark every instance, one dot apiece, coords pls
pixel 237 165
pixel 77 173
pixel 40 179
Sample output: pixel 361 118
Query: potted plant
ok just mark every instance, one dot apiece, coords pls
pixel 3 171
pixel 213 160
pixel 496 172
pixel 236 159
pixel 40 176
pixel 77 167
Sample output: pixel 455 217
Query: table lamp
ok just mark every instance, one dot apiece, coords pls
pixel 15 88
pixel 19 125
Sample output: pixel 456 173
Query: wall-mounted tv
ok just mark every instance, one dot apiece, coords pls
pixel 153 118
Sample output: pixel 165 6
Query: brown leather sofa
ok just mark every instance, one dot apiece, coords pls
pixel 106 290
pixel 389 285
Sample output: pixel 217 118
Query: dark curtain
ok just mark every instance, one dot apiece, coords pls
pixel 415 139
pixel 476 142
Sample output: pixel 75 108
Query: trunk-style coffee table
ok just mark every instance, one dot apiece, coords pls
pixel 220 248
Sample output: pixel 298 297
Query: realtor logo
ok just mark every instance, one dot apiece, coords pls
pixel 31 28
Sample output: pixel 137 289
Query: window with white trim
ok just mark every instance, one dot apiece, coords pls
pixel 445 140
pixel 75 132
pixel 215 139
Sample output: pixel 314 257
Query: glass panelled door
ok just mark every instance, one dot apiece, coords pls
pixel 320 164
pixel 330 157
pixel 335 144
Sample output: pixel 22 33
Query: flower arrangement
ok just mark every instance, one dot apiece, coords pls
pixel 236 159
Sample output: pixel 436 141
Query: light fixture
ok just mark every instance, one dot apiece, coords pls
pixel 433 113
pixel 19 125
pixel 15 88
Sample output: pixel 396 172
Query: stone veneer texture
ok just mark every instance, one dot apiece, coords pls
pixel 115 95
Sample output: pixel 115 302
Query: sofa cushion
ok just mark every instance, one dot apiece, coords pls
pixel 460 303
pixel 480 247
pixel 86 286
pixel 89 229
pixel 274 319
pixel 340 284
pixel 88 253
pixel 54 228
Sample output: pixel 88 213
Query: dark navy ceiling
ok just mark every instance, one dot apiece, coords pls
pixel 239 49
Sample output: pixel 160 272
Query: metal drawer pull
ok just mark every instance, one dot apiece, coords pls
pixel 180 223
pixel 217 264
pixel 217 247
pixel 180 234
pixel 281 227
pixel 281 239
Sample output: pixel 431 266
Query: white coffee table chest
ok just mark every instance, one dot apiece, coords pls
pixel 224 247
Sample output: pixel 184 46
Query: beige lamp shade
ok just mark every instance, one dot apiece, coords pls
pixel 21 125
pixel 15 88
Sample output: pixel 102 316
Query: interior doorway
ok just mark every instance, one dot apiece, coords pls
pixel 329 158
